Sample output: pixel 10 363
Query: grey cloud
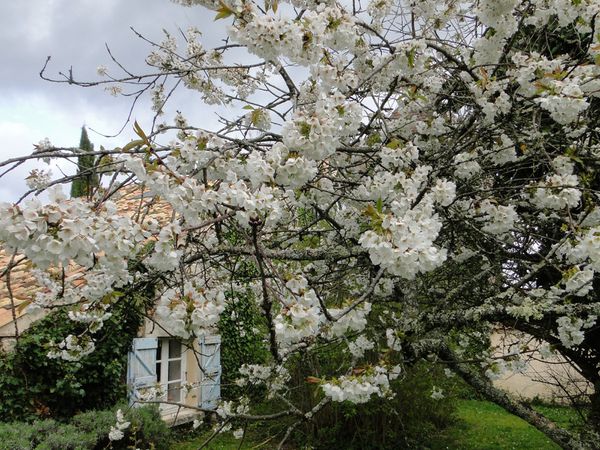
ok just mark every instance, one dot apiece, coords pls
pixel 75 33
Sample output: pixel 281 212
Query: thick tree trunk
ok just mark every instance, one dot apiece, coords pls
pixel 594 415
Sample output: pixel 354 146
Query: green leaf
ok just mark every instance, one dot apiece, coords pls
pixel 373 139
pixel 411 57
pixel 370 212
pixel 304 129
pixel 271 4
pixel 23 305
pixel 132 144
pixel 138 130
pixel 223 12
pixel 202 142
pixel 255 116
pixel 394 144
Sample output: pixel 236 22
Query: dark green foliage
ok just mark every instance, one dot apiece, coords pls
pixel 553 40
pixel 411 420
pixel 146 427
pixel 34 385
pixel 88 179
pixel 88 431
pixel 240 343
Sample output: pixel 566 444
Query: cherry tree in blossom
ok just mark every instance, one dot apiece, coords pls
pixel 401 177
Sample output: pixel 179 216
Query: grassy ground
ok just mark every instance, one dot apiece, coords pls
pixel 484 425
pixel 226 442
pixel 481 425
pixel 564 417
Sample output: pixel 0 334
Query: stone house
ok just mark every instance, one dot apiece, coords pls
pixel 157 362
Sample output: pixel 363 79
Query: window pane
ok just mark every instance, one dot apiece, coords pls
pixel 158 372
pixel 174 349
pixel 174 370
pixel 159 350
pixel 174 393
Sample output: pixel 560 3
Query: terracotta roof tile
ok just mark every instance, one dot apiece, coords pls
pixel 131 201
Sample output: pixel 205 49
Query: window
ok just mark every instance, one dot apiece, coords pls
pixel 170 370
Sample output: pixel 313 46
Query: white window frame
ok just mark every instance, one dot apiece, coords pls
pixel 162 375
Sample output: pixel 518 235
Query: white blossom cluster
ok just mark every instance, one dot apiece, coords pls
pixel 218 78
pixel 116 432
pixel 404 246
pixel 498 219
pixel 73 348
pixel 90 314
pixel 571 329
pixel 302 41
pixel 360 388
pixel 358 347
pixel 347 320
pixel 276 377
pixel 38 179
pixel 379 9
pixel 316 133
pixel 193 312
pixel 393 340
pixel 66 231
pixel 229 408
pixel 565 11
pixel 437 393
pixel 557 191
pixel 466 165
pixel 503 151
pixel 301 316
pixel 584 249
pixel 580 283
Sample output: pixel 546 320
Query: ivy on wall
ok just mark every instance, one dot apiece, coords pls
pixel 240 341
pixel 33 385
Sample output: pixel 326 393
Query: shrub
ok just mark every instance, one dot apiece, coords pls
pixel 240 343
pixel 35 386
pixel 412 419
pixel 147 428
pixel 16 436
pixel 88 431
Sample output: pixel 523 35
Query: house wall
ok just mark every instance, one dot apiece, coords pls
pixel 7 327
pixel 193 373
pixel 551 379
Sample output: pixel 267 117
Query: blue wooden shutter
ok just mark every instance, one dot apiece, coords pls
pixel 141 367
pixel 210 381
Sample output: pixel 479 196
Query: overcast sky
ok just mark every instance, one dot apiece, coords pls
pixel 74 33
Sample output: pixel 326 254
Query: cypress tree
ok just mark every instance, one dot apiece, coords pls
pixel 87 178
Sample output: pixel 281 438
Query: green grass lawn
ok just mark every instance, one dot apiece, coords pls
pixel 226 441
pixel 564 417
pixel 484 425
pixel 481 425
